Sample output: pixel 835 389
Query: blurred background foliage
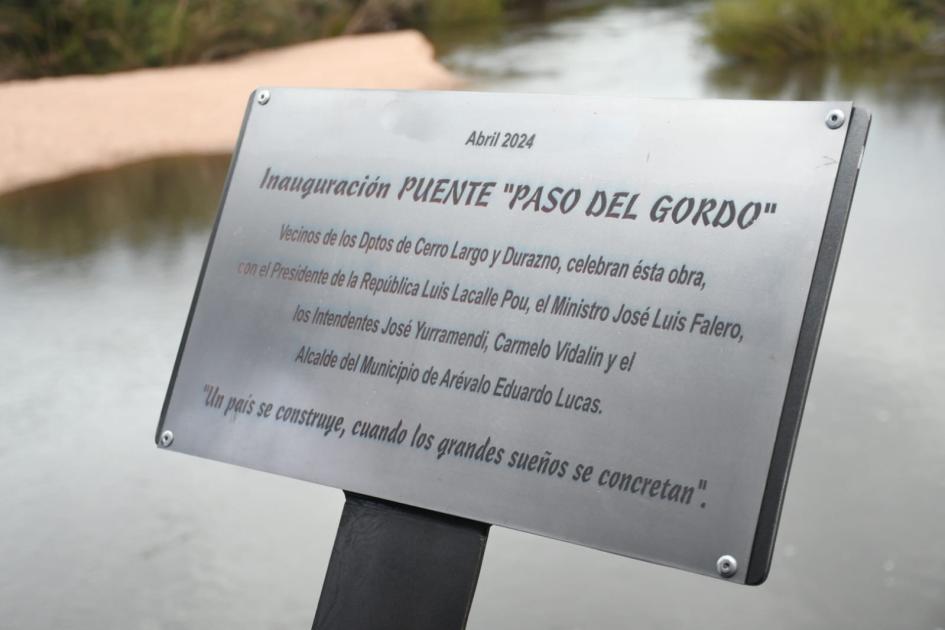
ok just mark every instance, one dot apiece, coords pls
pixel 782 30
pixel 57 37
pixel 54 37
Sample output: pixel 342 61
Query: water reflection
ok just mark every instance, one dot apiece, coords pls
pixel 524 22
pixel 902 81
pixel 135 205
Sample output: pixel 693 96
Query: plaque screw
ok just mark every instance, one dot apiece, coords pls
pixel 167 438
pixel 835 118
pixel 727 566
pixel 263 97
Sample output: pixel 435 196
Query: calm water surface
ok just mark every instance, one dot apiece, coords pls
pixel 100 530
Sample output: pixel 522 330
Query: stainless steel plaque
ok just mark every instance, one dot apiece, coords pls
pixel 589 318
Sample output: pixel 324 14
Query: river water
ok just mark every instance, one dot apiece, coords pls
pixel 98 529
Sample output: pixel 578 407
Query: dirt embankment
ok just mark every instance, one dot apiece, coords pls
pixel 52 128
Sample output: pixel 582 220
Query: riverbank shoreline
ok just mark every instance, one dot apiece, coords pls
pixel 58 127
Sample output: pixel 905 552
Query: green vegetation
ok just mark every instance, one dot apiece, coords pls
pixel 462 11
pixel 777 30
pixel 56 37
pixel 52 37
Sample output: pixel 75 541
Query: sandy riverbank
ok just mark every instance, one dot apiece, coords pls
pixel 52 128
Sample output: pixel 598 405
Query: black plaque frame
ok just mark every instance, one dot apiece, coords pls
pixel 806 352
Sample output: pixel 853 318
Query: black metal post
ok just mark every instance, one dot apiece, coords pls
pixel 398 567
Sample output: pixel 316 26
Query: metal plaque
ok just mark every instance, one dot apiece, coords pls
pixel 593 319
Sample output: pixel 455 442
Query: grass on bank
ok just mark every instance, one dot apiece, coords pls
pixel 55 37
pixel 58 37
pixel 780 30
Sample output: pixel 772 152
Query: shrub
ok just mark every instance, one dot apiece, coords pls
pixel 52 37
pixel 775 30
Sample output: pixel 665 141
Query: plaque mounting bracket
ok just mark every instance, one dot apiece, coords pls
pixel 399 567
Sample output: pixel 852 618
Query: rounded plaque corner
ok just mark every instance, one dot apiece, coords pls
pixel 760 580
pixel 757 575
